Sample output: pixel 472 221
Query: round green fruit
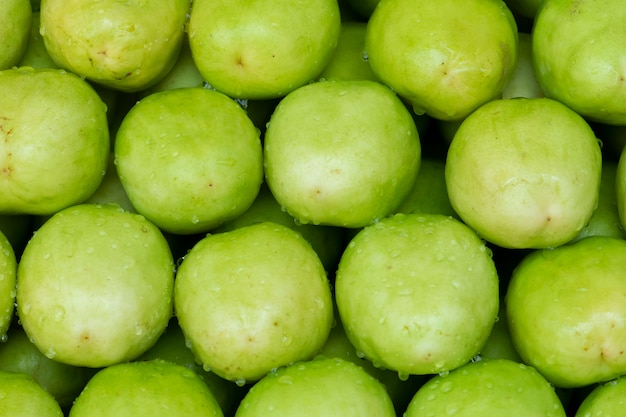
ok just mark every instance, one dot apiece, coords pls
pixel 253 299
pixel 566 309
pixel 324 387
pixel 15 23
pixel 95 286
pixel 447 57
pixel 189 159
pixel 417 293
pixel 154 388
pixel 524 173
pixel 341 153
pixel 262 49
pixel 578 56
pixel 124 45
pixel 8 278
pixel 604 400
pixel 492 387
pixel 54 140
pixel 22 396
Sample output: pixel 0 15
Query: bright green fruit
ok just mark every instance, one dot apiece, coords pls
pixel 327 387
pixel 620 187
pixel 8 276
pixel 24 397
pixel 95 286
pixel 189 159
pixel 567 311
pixel 15 22
pixel 64 382
pixel 262 49
pixel 36 55
pixel 417 293
pixel 605 400
pixel 492 387
pixel 524 173
pixel 125 45
pixel 348 61
pixel 172 347
pixel 523 82
pixel 605 220
pixel 429 193
pixel 341 153
pixel 154 388
pixel 54 140
pixel 578 56
pixel 446 57
pixel 326 240
pixel 253 299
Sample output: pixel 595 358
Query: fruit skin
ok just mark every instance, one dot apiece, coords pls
pixel 488 387
pixel 189 159
pixel 8 278
pixel 606 399
pixel 253 299
pixel 524 173
pixel 446 57
pixel 578 56
pixel 95 286
pixel 566 311
pixel 15 22
pixel 54 140
pixel 22 396
pixel 341 153
pixel 620 187
pixel 323 387
pixel 261 49
pixel 154 388
pixel 131 49
pixel 417 293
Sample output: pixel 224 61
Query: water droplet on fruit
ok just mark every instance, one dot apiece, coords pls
pixel 26 308
pixel 446 386
pixel 51 353
pixel 360 354
pixel 365 56
pixel 195 219
pixel 58 313
pixel 285 379
pixel 240 382
pixel 4 338
pixel 188 343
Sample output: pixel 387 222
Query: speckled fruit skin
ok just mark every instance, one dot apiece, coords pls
pixel 417 293
pixel 262 49
pixel 578 56
pixel 189 159
pixel 253 299
pixel 22 396
pixel 54 140
pixel 524 172
pixel 566 311
pixel 134 47
pixel 446 57
pixel 95 285
pixel 320 388
pixel 487 388
pixel 341 153
pixel 154 388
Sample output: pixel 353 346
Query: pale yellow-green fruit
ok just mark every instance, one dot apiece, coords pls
pixel 524 173
pixel 341 152
pixel 36 55
pixel 15 23
pixel 189 159
pixel 125 45
pixel 326 387
pixel 95 286
pixel 417 293
pixel 578 56
pixel 446 57
pixel 154 388
pixel 253 299
pixel 348 61
pixel 22 396
pixel 54 140
pixel 262 49
pixel 491 387
pixel 566 311
pixel 8 277
pixel 607 399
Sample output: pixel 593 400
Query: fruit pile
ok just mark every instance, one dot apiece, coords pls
pixel 328 208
